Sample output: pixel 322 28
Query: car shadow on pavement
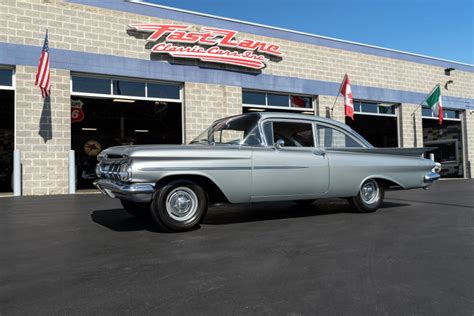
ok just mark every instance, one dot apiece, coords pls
pixel 121 221
pixel 282 210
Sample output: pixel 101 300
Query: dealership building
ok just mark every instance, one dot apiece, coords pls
pixel 128 72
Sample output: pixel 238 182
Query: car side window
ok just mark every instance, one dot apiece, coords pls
pixel 329 137
pixel 294 134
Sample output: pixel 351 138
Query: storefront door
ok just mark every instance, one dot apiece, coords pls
pixel 7 105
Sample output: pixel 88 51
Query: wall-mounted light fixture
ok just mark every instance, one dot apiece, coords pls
pixel 448 83
pixel 124 100
pixel 447 71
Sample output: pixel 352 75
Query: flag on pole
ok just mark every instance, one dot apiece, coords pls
pixel 348 100
pixel 43 77
pixel 433 100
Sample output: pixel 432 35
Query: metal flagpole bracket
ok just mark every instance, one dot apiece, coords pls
pixel 72 172
pixel 16 172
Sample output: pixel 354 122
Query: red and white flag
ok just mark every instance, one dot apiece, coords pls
pixel 348 100
pixel 43 77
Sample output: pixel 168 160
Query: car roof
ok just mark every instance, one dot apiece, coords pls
pixel 298 116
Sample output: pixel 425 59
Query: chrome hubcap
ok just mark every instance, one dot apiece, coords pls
pixel 370 192
pixel 181 203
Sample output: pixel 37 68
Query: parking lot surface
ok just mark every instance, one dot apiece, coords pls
pixel 83 254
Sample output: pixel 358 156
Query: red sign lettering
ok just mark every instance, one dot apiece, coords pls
pixel 245 53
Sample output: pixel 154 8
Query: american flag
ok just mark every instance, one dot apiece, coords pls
pixel 43 77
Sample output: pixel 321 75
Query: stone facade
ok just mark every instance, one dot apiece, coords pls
pixel 468 125
pixel 43 130
pixel 217 100
pixel 411 125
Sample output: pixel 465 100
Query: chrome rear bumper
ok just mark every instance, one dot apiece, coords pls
pixel 431 177
pixel 137 192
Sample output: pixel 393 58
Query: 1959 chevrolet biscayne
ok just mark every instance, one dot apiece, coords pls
pixel 258 157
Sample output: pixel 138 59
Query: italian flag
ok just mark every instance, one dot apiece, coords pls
pixel 434 102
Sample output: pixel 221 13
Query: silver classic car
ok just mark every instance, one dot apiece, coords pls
pixel 258 157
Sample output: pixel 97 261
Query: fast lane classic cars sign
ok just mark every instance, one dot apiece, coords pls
pixel 209 44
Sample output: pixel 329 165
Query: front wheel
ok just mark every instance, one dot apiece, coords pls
pixel 369 198
pixel 179 205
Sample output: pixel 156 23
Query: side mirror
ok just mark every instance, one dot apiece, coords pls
pixel 279 144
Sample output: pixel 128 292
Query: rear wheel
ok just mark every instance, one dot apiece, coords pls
pixel 179 205
pixel 369 198
pixel 136 209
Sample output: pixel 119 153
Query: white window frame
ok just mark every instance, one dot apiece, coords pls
pixel 13 86
pixel 395 105
pixel 432 117
pixel 125 97
pixel 289 108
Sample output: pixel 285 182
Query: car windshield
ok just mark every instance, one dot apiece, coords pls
pixel 237 130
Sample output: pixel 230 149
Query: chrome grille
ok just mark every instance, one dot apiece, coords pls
pixel 110 171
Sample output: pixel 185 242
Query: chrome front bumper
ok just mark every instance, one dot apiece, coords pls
pixel 137 192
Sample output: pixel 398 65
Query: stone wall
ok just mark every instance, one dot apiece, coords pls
pixel 43 132
pixel 205 103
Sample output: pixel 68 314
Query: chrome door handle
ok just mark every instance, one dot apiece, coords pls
pixel 319 152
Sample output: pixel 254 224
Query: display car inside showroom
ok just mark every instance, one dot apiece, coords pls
pixel 132 73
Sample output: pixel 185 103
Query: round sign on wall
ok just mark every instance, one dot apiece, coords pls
pixel 92 147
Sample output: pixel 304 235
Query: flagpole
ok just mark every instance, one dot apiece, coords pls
pixel 421 104
pixel 337 95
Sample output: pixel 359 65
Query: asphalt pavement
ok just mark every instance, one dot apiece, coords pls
pixel 83 254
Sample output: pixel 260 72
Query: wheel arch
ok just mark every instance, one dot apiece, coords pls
pixel 387 182
pixel 213 191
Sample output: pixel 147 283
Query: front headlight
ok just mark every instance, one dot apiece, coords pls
pixel 437 167
pixel 125 173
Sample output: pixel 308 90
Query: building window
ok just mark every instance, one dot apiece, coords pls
pixel 374 108
pixel 84 85
pixel 6 79
pixel 257 99
pixel 448 114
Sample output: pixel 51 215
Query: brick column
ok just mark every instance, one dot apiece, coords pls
pixel 468 123
pixel 325 103
pixel 43 132
pixel 411 127
pixel 205 103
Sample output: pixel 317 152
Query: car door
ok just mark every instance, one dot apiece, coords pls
pixel 295 169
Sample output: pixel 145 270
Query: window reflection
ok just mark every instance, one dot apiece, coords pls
pixel 165 91
pixel 132 88
pixel 6 77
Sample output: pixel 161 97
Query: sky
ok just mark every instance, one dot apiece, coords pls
pixel 438 28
